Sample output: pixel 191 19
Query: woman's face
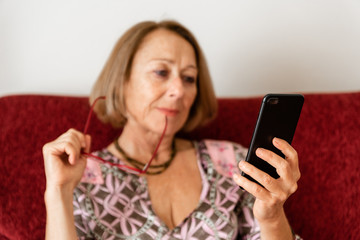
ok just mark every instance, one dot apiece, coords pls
pixel 162 82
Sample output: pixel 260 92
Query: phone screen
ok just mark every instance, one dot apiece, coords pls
pixel 278 117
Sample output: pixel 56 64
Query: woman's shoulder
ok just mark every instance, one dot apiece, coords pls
pixel 92 173
pixel 225 155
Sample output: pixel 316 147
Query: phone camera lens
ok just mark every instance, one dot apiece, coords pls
pixel 273 101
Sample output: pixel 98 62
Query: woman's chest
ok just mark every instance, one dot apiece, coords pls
pixel 176 193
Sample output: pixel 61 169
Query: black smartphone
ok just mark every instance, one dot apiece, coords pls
pixel 278 117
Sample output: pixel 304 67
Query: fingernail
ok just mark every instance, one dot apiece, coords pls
pixel 236 177
pixel 242 164
pixel 259 152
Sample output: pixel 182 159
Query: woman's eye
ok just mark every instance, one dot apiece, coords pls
pixel 161 73
pixel 189 79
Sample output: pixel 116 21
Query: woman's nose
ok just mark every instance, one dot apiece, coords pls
pixel 176 88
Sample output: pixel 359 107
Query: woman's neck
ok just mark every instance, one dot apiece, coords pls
pixel 140 144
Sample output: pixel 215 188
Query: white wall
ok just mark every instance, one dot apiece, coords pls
pixel 253 47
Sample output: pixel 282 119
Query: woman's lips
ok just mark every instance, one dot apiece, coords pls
pixel 169 112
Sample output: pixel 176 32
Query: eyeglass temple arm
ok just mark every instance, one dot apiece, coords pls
pixel 90 114
pixel 157 147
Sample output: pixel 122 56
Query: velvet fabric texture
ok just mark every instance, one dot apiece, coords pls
pixel 326 205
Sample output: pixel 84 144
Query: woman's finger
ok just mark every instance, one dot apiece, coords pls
pixel 74 135
pixel 69 144
pixel 88 143
pixel 289 152
pixel 255 189
pixel 263 178
pixel 282 166
pixel 291 155
pixel 67 151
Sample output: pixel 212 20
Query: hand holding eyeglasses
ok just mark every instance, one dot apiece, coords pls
pixel 63 161
pixel 65 157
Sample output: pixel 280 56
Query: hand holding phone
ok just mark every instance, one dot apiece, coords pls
pixel 278 117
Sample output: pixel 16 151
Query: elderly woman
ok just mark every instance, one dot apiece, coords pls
pixel 156 84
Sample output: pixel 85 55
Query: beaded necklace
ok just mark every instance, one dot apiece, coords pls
pixel 139 165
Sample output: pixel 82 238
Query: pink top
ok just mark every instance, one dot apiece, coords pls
pixel 110 203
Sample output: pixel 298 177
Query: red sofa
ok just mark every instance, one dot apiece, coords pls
pixel 326 205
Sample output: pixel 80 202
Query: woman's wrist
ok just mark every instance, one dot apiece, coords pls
pixel 59 213
pixel 272 217
pixel 276 228
pixel 56 195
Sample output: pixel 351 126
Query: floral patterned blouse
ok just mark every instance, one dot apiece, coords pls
pixel 110 203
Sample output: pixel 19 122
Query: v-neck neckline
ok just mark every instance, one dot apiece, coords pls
pixel 204 191
pixel 143 184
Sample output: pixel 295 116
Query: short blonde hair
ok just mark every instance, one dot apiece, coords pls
pixel 117 71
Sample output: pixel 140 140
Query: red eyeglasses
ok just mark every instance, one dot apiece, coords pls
pixel 121 166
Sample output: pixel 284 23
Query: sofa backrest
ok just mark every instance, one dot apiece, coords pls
pixel 326 205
